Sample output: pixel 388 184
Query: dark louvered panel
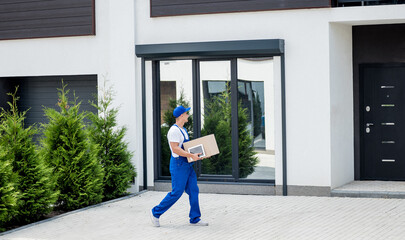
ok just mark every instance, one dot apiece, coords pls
pixel 38 92
pixel 184 7
pixel 46 18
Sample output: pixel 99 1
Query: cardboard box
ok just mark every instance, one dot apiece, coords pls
pixel 208 143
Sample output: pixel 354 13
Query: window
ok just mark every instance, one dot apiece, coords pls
pixel 175 79
pixel 243 127
pixel 215 79
pixel 255 78
pixel 241 74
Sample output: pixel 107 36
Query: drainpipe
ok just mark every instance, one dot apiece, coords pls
pixel 283 116
pixel 145 167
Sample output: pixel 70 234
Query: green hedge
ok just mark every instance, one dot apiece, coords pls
pixel 33 181
pixel 8 192
pixel 74 158
pixel 75 165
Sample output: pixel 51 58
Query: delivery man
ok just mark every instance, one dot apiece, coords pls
pixel 182 172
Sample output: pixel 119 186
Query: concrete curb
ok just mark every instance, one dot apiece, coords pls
pixel 367 194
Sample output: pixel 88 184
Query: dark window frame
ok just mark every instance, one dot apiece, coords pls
pixel 227 50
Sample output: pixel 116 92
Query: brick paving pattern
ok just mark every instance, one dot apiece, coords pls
pixel 230 217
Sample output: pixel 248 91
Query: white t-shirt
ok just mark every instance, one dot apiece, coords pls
pixel 174 135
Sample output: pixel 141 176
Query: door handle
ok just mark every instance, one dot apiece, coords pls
pixel 369 124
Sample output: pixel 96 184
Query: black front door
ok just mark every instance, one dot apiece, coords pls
pixel 383 121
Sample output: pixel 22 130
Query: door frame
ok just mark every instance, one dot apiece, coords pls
pixel 207 50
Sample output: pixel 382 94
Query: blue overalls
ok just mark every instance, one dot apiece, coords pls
pixel 183 179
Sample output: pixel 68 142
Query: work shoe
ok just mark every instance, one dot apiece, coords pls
pixel 155 220
pixel 200 223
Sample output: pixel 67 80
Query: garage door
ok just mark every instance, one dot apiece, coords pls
pixel 39 92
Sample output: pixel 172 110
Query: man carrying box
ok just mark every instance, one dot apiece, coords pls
pixel 183 175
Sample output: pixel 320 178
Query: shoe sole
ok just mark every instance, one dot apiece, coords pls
pixel 199 225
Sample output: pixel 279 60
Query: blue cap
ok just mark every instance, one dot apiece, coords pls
pixel 180 110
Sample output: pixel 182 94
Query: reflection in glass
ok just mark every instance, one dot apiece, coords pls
pixel 216 110
pixel 254 79
pixel 175 89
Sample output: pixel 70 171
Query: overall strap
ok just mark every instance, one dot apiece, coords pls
pixel 188 137
pixel 185 140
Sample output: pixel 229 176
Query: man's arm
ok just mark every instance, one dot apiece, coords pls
pixel 179 151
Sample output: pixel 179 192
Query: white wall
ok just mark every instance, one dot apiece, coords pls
pixel 116 55
pixel 341 95
pixel 110 54
pixel 149 126
pixel 319 118
pixel 308 138
pixel 316 43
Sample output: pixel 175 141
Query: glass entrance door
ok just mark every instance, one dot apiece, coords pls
pixel 215 97
pixel 256 118
pixel 230 98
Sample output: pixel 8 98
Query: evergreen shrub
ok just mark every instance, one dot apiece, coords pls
pixel 36 187
pixel 8 192
pixel 66 146
pixel 114 155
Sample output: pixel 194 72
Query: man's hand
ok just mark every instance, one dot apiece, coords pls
pixel 177 150
pixel 195 156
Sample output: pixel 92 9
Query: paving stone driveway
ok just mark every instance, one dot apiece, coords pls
pixel 230 217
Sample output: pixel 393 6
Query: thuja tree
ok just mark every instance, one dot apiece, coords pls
pixel 247 155
pixel 34 183
pixel 114 155
pixel 168 121
pixel 66 147
pixel 8 192
pixel 217 120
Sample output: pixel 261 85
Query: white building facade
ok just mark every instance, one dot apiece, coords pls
pixel 317 134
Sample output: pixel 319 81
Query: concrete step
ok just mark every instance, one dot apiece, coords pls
pixel 371 189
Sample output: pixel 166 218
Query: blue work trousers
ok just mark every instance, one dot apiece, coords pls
pixel 183 179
